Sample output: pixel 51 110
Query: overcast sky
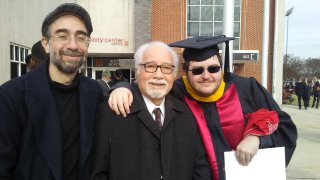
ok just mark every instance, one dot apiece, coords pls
pixel 304 28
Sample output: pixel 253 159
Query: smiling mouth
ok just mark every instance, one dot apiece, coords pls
pixel 206 83
pixel 68 57
pixel 157 84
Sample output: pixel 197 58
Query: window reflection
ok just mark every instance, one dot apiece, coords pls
pixel 205 18
pixel 207 2
pixel 193 29
pixel 206 13
pixel 206 29
pixel 17 60
pixel 194 13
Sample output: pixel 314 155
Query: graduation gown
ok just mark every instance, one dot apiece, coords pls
pixel 225 119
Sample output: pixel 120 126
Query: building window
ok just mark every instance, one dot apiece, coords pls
pixel 17 60
pixel 89 67
pixel 205 18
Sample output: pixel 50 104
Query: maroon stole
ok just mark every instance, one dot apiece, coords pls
pixel 231 120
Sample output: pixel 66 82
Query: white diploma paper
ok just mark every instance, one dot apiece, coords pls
pixel 267 164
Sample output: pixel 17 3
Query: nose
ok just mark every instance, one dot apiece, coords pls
pixel 73 44
pixel 158 72
pixel 206 73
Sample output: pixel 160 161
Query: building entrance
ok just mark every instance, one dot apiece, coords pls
pixel 97 72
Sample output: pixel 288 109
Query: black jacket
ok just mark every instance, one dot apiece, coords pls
pixel 316 89
pixel 301 89
pixel 133 148
pixel 105 86
pixel 30 133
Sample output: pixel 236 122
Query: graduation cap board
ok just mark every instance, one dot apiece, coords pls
pixel 201 48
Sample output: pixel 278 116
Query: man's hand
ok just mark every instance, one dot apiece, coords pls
pixel 246 149
pixel 120 101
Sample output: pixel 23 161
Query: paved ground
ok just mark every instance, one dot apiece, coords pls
pixel 305 163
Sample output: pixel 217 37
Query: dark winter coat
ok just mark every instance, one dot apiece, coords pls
pixel 30 132
pixel 135 148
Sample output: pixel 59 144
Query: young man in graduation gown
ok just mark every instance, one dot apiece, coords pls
pixel 232 112
pixel 143 145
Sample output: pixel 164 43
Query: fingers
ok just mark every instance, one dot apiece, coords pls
pixel 121 106
pixel 244 158
pixel 112 104
pixel 128 103
pixel 120 101
pixel 246 149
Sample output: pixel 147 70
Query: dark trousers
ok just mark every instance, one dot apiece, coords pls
pixel 304 99
pixel 307 101
pixel 315 98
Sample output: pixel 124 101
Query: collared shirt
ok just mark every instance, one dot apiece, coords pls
pixel 107 83
pixel 152 106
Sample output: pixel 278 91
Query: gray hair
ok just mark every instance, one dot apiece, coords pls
pixel 138 56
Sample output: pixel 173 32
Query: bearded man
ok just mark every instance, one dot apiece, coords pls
pixel 47 116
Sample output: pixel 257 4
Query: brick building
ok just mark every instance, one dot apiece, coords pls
pixel 121 26
pixel 171 20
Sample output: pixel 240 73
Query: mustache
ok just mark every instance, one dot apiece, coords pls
pixel 71 53
pixel 157 81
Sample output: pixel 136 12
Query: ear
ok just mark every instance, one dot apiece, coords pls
pixel 184 72
pixel 184 69
pixel 45 44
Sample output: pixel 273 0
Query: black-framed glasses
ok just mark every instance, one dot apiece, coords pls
pixel 200 70
pixel 152 67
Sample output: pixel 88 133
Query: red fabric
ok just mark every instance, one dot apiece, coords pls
pixel 205 135
pixel 262 122
pixel 231 117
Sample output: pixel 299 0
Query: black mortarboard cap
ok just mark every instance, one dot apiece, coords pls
pixel 67 8
pixel 201 48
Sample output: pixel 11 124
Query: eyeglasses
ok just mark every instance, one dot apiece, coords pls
pixel 151 68
pixel 82 40
pixel 210 69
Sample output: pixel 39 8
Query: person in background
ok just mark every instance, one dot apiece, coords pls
pixel 104 82
pixel 316 95
pixel 232 112
pixel 314 80
pixel 28 61
pixel 301 91
pixel 159 138
pixel 308 92
pixel 117 77
pixel 38 55
pixel 47 115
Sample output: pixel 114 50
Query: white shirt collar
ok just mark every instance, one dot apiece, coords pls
pixel 151 107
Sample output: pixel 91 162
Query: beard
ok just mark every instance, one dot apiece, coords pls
pixel 67 67
pixel 156 93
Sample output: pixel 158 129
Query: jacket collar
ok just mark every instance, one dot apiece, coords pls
pixel 138 106
pixel 44 117
pixel 45 121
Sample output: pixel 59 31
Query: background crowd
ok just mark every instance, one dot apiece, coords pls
pixel 307 91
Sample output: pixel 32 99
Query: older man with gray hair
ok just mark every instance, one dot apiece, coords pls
pixel 159 139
